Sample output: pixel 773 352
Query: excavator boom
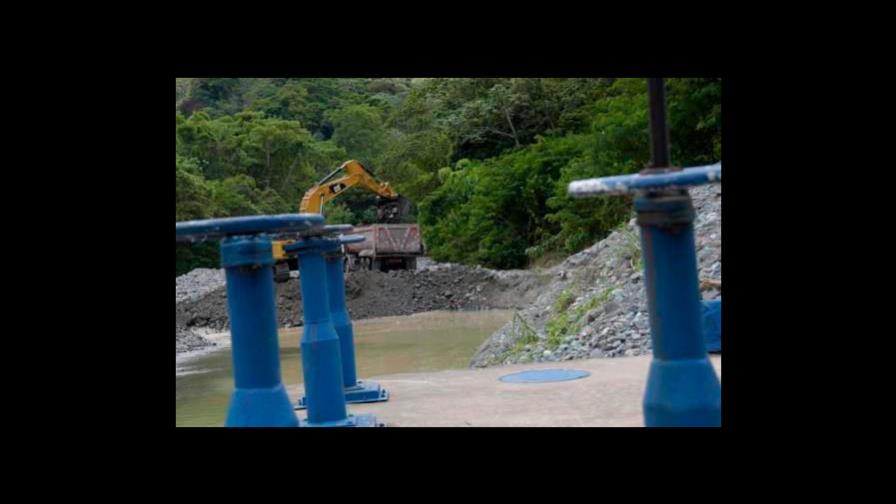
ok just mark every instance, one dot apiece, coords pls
pixel 330 187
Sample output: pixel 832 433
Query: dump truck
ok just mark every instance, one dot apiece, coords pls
pixel 387 247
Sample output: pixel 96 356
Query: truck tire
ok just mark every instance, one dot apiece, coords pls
pixel 378 265
pixel 281 272
pixel 410 263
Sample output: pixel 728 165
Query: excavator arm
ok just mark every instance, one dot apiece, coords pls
pixel 331 187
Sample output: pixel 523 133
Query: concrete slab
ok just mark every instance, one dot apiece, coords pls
pixel 610 397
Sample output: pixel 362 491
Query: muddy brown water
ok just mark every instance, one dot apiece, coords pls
pixel 423 342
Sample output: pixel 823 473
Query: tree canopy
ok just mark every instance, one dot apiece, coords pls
pixel 484 161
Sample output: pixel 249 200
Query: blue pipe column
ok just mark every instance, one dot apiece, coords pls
pixel 321 352
pixel 683 389
pixel 259 398
pixel 355 391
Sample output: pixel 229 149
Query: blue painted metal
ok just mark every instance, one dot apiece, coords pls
pixel 346 239
pixel 191 231
pixel 259 398
pixel 355 391
pixel 337 228
pixel 322 243
pixel 325 231
pixel 663 181
pixel 712 325
pixel 321 352
pixel 351 421
pixel 682 386
pixel 545 376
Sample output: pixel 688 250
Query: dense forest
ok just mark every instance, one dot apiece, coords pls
pixel 484 161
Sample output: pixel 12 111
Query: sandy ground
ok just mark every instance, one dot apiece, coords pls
pixel 610 397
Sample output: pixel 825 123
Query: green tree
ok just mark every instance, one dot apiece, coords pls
pixel 338 213
pixel 181 90
pixel 217 96
pixel 278 149
pixel 695 120
pixel 412 161
pixel 214 143
pixel 517 203
pixel 618 145
pixel 193 201
pixel 240 195
pixel 193 196
pixel 359 130
pixel 490 212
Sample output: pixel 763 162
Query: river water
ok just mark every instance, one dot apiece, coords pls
pixel 430 341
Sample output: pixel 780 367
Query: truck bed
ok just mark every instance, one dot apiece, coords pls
pixel 388 240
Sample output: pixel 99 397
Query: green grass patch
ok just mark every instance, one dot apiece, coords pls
pixel 523 334
pixel 631 250
pixel 556 328
pixel 559 324
pixel 594 303
pixel 563 301
pixel 564 323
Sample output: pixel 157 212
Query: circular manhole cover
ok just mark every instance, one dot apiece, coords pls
pixel 545 376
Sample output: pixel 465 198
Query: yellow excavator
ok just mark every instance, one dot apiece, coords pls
pixel 391 208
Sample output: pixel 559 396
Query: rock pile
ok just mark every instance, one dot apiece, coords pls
pixel 596 306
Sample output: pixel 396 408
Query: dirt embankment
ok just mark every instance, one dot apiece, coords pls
pixel 369 294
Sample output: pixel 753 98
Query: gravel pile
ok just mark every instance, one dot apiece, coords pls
pixel 192 287
pixel 197 283
pixel 187 341
pixel 595 307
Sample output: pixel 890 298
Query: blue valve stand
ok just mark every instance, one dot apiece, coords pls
pixel 321 352
pixel 356 391
pixel 683 389
pixel 259 398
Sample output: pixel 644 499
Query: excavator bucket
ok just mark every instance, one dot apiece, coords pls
pixel 393 211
